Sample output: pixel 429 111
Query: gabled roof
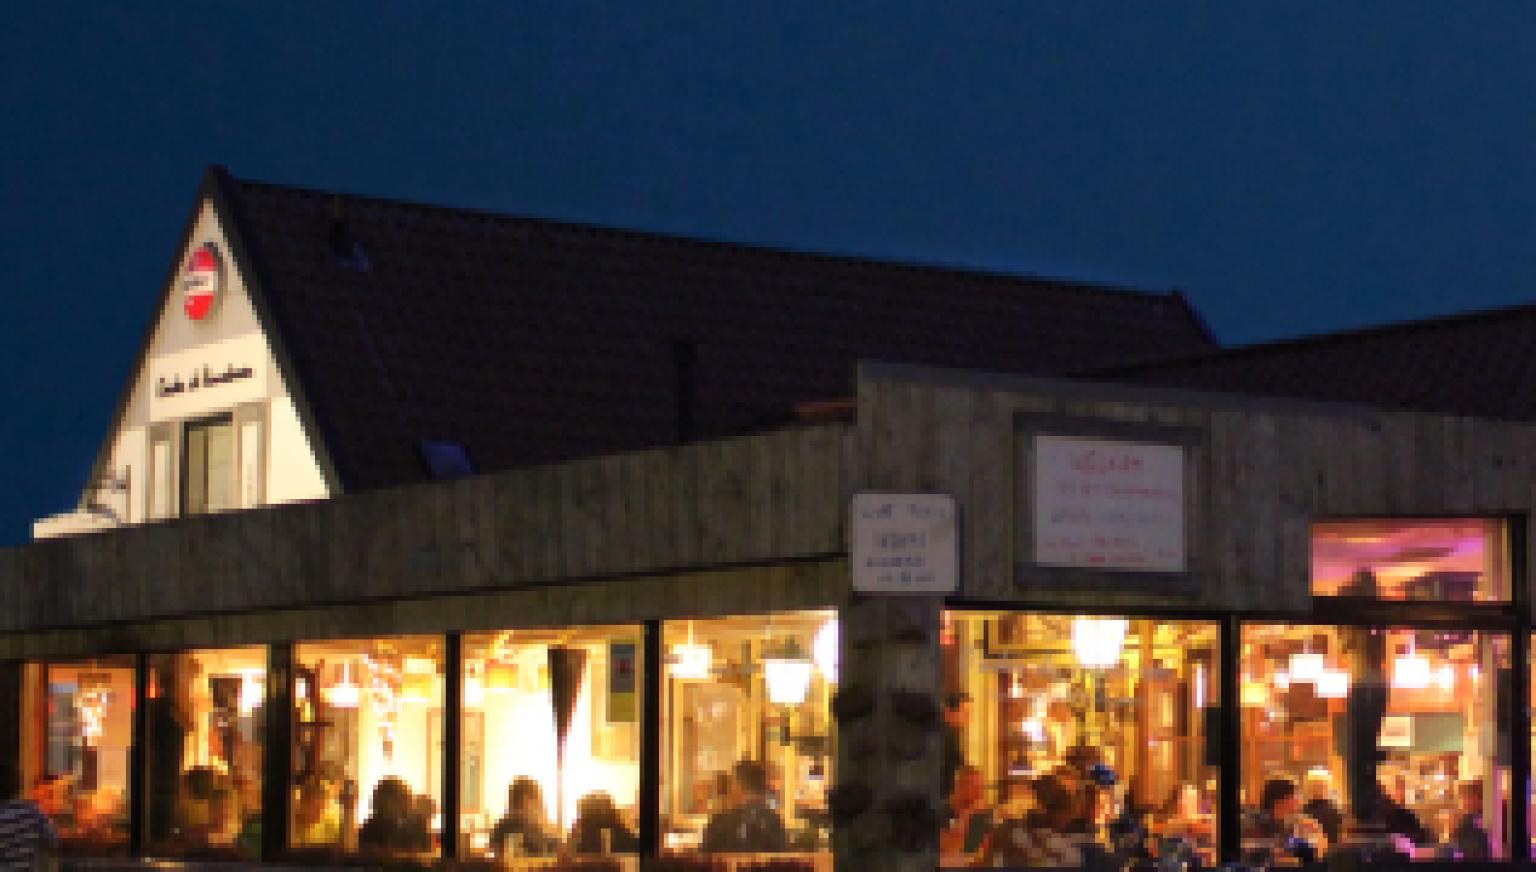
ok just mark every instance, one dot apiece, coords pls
pixel 1479 363
pixel 531 341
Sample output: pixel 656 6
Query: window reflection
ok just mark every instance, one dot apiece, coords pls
pixel 551 742
pixel 78 735
pixel 1071 739
pixel 367 746
pixel 1384 736
pixel 205 719
pixel 1444 560
pixel 747 750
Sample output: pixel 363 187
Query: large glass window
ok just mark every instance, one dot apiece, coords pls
pixel 1072 738
pixel 368 746
pixel 551 742
pixel 747 749
pixel 1387 736
pixel 205 720
pixel 1444 560
pixel 78 734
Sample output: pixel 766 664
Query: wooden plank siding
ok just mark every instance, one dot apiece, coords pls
pixel 752 500
pixel 1261 472
pixel 1264 470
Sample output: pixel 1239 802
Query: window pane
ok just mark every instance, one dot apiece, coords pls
pixel 195 471
pixel 1392 733
pixel 1446 560
pixel 1071 739
pixel 221 466
pixel 77 760
pixel 747 752
pixel 205 715
pixel 551 742
pixel 367 746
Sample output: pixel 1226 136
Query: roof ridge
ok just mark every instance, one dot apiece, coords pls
pixel 845 259
pixel 1313 340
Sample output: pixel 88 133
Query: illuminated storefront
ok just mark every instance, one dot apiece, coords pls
pixel 1100 622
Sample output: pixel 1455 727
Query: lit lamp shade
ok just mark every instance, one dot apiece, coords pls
pixel 789 681
pixel 1254 694
pixel 345 693
pixel 1097 642
pixel 691 660
pixel 1410 672
pixel 1307 667
pixel 1333 684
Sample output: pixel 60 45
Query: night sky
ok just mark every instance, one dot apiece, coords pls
pixel 1294 168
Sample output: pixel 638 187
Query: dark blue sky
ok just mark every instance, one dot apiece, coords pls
pixel 1294 168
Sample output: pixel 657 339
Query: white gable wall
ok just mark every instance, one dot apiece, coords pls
pixel 221 365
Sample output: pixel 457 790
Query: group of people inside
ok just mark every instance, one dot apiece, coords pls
pixel 747 822
pixel 525 830
pixel 1292 825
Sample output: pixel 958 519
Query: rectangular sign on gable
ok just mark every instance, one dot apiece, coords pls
pixel 209 378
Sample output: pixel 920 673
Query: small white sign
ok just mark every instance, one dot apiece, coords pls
pixel 905 543
pixel 1107 504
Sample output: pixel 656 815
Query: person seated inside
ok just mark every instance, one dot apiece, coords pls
pixel 599 829
pixel 392 826
pixel 524 830
pixel 1278 833
pixel 970 817
pixel 1396 817
pixel 1184 817
pixel 749 824
pixel 1319 805
pixel 1469 837
pixel 1040 837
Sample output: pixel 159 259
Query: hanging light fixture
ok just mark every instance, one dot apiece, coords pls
pixel 692 660
pixel 1334 684
pixel 789 680
pixel 787 672
pixel 1445 677
pixel 1307 667
pixel 345 693
pixel 1410 671
pixel 1097 642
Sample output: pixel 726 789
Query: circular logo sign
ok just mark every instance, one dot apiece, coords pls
pixel 200 285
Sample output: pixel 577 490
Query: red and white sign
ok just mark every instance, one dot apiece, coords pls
pixel 202 281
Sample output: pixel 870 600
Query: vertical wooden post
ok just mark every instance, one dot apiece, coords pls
pixel 277 768
pixel 1229 829
pixel 138 780
pixel 453 718
pixel 651 737
pixel 1520 744
pixel 10 727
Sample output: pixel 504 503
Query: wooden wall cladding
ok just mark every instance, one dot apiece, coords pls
pixel 764 498
pixel 1264 470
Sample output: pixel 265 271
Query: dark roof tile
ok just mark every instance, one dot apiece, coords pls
pixel 1479 363
pixel 531 341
